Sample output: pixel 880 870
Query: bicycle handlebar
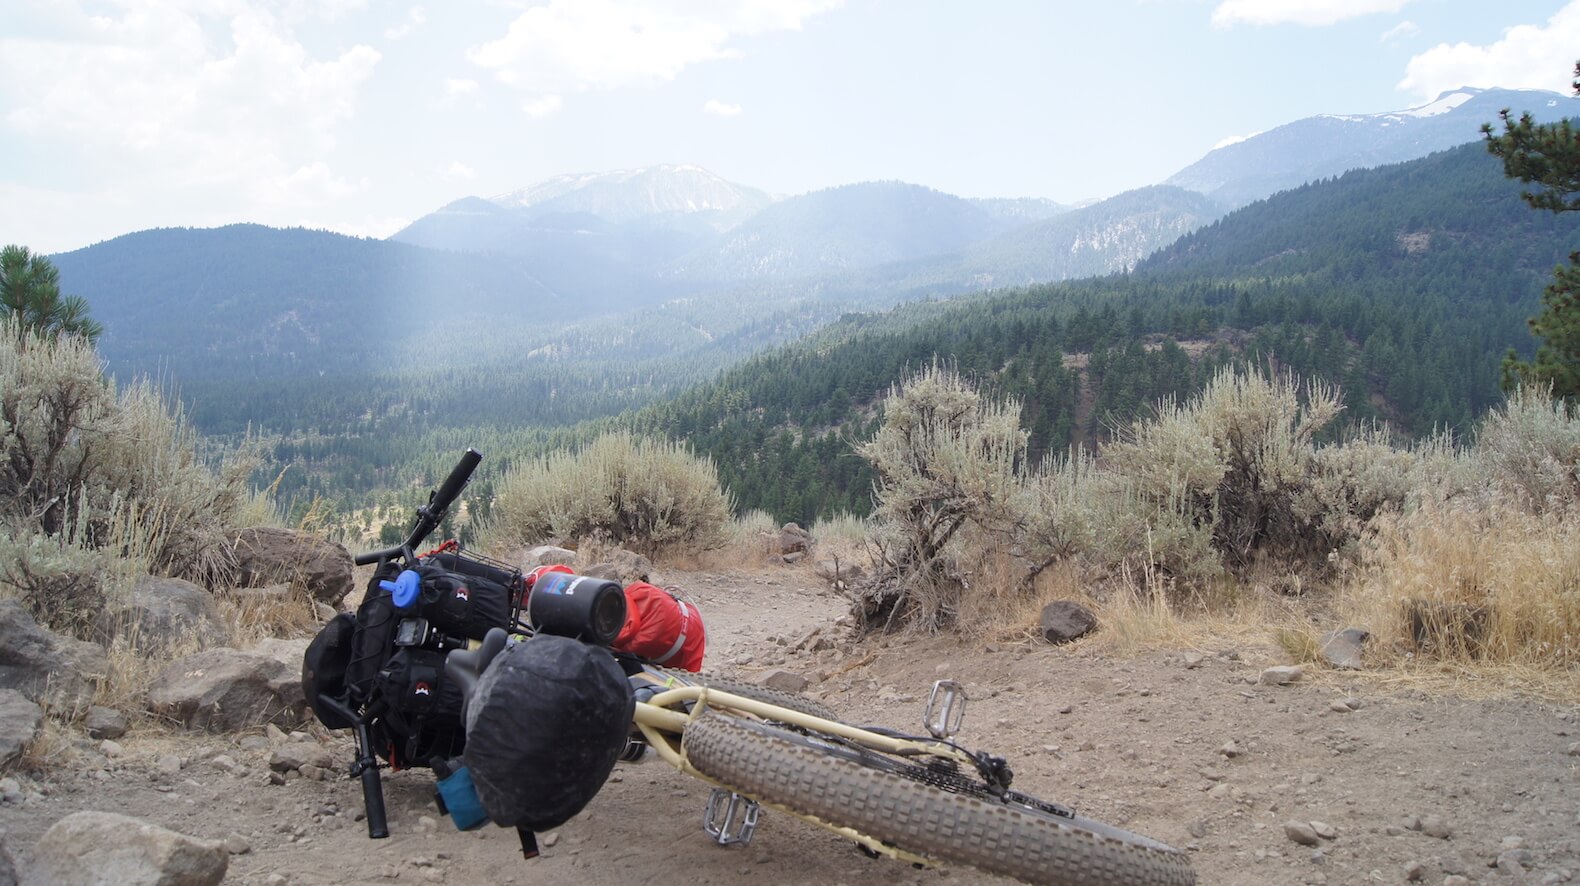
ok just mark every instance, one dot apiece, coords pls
pixel 430 515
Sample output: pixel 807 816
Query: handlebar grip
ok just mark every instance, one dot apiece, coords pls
pixel 376 556
pixel 373 803
pixel 453 484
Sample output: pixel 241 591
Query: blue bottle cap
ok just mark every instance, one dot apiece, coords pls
pixel 405 589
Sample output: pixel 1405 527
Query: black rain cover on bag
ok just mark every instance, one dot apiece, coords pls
pixel 324 668
pixel 544 728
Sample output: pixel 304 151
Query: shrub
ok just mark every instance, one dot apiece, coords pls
pixel 95 469
pixel 653 495
pixel 1527 453
pixel 1229 464
pixel 950 468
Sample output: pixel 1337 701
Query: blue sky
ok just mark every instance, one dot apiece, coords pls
pixel 359 116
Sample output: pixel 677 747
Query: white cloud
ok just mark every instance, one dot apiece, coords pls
pixel 458 171
pixel 1313 13
pixel 186 99
pixel 721 109
pixel 414 17
pixel 570 46
pixel 1399 32
pixel 148 83
pixel 460 87
pixel 541 106
pixel 1528 57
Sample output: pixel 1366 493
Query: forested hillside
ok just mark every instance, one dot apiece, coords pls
pixel 1404 285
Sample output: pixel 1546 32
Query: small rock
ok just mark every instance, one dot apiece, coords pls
pixel 169 764
pixel 1414 871
pixel 1342 649
pixel 277 880
pixel 1574 749
pixel 296 754
pixel 1197 828
pixel 786 681
pixel 1339 707
pixel 1456 880
pixel 273 733
pixel 1514 861
pixel 1230 749
pixel 111 748
pixel 311 772
pixel 236 844
pixel 1412 823
pixel 1064 620
pixel 1324 830
pixel 324 611
pixel 1301 832
pixel 1434 826
pixel 1353 703
pixel 1281 675
pixel 102 723
pixel 1193 660
pixel 551 839
pixel 254 743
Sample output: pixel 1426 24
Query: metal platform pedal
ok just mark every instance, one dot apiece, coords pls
pixel 730 818
pixel 946 709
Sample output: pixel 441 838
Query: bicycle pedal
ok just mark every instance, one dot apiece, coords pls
pixel 946 709
pixel 730 818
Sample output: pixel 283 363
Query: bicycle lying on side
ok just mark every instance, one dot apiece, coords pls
pixel 925 799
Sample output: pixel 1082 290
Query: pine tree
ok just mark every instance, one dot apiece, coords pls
pixel 1547 155
pixel 30 292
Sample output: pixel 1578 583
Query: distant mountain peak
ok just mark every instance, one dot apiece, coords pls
pixel 627 194
pixel 1240 171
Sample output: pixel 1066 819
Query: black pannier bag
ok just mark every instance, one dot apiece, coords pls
pixel 423 719
pixel 544 728
pixel 324 668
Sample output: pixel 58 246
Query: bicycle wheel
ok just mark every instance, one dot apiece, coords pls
pixel 791 700
pixel 836 785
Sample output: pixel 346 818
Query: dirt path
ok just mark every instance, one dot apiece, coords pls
pixel 1138 742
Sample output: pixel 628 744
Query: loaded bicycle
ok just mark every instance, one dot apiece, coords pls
pixel 544 710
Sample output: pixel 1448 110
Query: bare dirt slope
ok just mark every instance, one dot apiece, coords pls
pixel 1408 785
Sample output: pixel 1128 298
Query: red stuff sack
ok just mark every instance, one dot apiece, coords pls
pixel 662 629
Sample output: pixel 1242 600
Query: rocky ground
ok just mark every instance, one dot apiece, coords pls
pixel 1334 778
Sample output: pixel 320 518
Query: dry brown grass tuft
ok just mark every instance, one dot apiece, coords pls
pixel 1472 588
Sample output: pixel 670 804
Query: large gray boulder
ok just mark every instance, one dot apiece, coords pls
pixel 227 690
pixel 160 615
pixel 793 539
pixel 20 720
pixel 45 666
pixel 267 556
pixel 106 849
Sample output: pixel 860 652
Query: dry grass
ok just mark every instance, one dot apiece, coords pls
pixel 1472 588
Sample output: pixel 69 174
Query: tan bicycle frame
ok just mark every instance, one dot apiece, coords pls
pixel 664 728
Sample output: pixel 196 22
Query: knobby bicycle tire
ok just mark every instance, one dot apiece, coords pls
pixel 791 700
pixel 1018 841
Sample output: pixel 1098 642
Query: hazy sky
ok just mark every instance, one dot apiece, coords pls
pixel 359 115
